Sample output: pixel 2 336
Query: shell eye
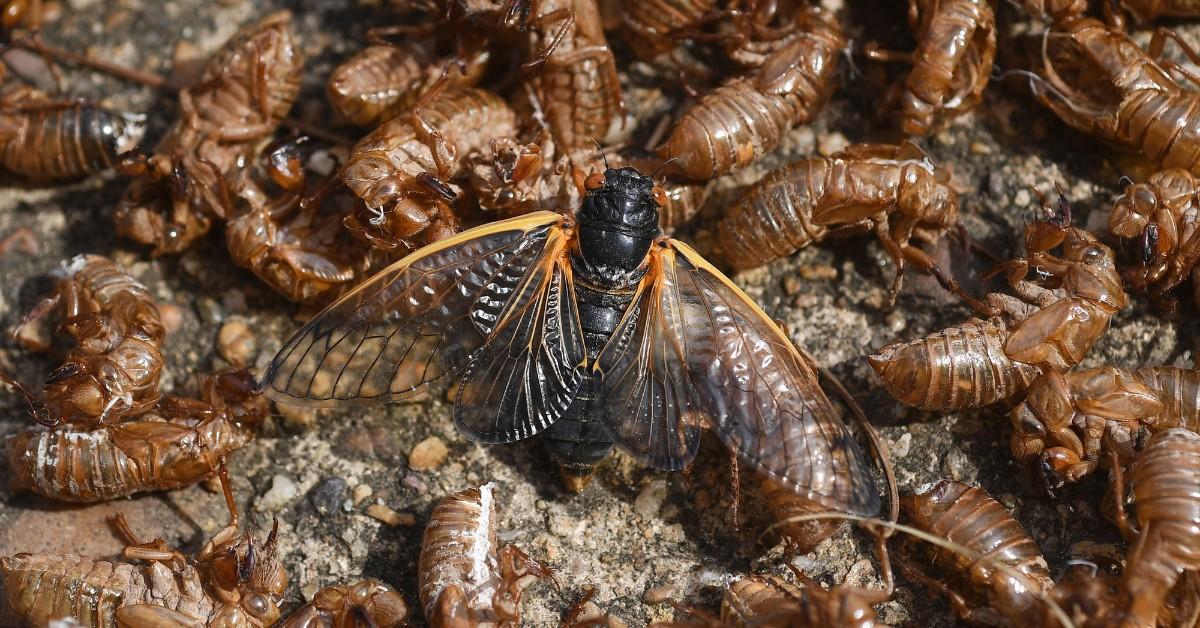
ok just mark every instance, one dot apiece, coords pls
pixel 258 605
pixel 660 196
pixel 595 181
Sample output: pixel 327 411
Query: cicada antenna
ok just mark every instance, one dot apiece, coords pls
pixel 654 175
pixel 600 150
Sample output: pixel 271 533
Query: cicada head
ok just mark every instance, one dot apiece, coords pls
pixel 618 220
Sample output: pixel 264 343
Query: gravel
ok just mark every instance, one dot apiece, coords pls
pixel 634 533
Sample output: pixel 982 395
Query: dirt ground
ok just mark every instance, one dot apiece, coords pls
pixel 633 530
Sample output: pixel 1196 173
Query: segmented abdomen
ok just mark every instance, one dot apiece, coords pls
pixel 232 75
pixel 761 601
pixel 784 504
pixel 379 81
pixel 41 588
pixel 728 129
pixel 109 462
pixel 1179 391
pixel 467 119
pixel 955 368
pixel 1147 10
pixel 1166 489
pixel 118 295
pixel 943 58
pixel 63 142
pixel 970 517
pixel 1164 124
pixel 651 24
pixel 774 217
pixel 458 549
pixel 577 86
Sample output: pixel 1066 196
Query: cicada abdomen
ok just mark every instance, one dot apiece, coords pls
pixel 956 368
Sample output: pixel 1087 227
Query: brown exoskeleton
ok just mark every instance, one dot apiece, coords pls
pixel 1101 82
pixel 44 138
pixel 181 442
pixel 767 601
pixel 512 179
pixel 574 74
pixel 466 577
pixel 1067 304
pixel 21 14
pixel 747 117
pixel 1164 212
pixel 1166 492
pixel 247 88
pixel 367 603
pixel 1049 323
pixel 1055 11
pixel 522 178
pixel 951 65
pixel 114 369
pixel 385 80
pixel 1145 11
pixel 402 170
pixel 234 581
pixel 285 239
pixel 1068 421
pixel 978 592
pixel 653 27
pixel 962 366
pixel 895 191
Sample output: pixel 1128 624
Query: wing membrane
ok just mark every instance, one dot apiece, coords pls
pixel 416 322
pixel 523 379
pixel 692 344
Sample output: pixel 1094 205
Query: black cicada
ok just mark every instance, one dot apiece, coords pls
pixel 589 331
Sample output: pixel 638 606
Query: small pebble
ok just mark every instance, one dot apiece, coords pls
pixel 236 343
pixel 428 455
pixel 979 148
pixel 327 496
pixel 282 491
pixel 415 483
pixel 172 317
pixel 650 500
pixel 792 285
pixel 361 493
pixel 818 272
pixel 658 595
pixel 830 143
pixel 389 516
pixel 896 322
pixel 296 418
pixel 900 448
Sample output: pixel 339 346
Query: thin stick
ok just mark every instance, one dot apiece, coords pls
pixel 157 82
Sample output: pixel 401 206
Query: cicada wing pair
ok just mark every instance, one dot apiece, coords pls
pixel 497 305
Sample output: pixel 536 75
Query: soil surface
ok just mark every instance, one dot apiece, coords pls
pixel 633 530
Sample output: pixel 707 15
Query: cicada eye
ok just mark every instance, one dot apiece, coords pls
pixel 595 181
pixel 660 196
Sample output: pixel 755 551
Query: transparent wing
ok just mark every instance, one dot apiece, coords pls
pixel 693 349
pixel 527 374
pixel 416 322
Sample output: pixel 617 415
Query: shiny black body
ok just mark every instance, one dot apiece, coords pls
pixel 617 224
